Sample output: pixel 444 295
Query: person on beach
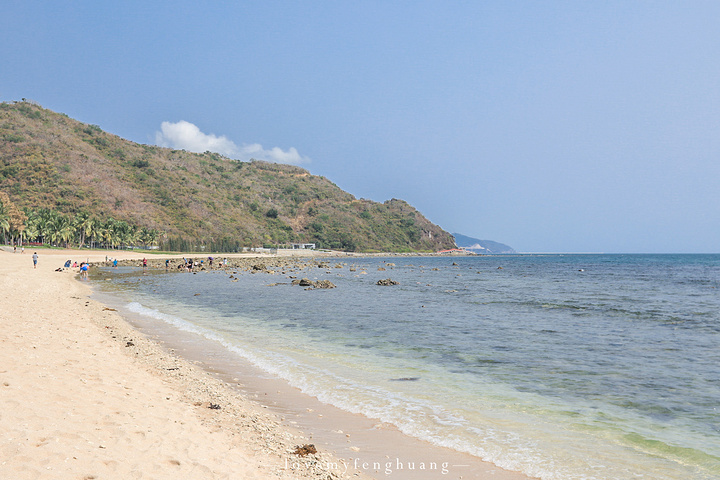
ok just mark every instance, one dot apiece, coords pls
pixel 14 248
pixel 167 263
pixel 35 257
pixel 115 263
pixel 144 263
pixel 84 270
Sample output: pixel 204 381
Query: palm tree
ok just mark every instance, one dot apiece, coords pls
pixel 148 237
pixel 97 235
pixel 44 221
pixel 31 232
pixel 115 232
pixel 61 230
pixel 125 233
pixel 50 226
pixel 107 234
pixel 132 236
pixel 67 232
pixel 30 224
pixel 4 222
pixel 152 237
pixel 84 225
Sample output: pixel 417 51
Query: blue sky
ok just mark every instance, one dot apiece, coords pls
pixel 550 126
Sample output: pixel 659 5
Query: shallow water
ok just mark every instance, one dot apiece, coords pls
pixel 562 367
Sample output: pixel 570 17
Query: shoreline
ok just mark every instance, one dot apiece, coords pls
pixel 244 438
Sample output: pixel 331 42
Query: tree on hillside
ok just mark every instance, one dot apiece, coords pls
pixel 16 218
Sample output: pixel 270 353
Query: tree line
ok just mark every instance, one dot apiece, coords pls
pixel 48 227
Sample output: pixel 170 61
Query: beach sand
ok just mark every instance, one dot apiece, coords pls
pixel 83 395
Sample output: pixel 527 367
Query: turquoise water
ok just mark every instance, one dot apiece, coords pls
pixel 558 366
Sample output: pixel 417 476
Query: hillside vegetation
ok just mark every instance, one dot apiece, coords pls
pixel 50 162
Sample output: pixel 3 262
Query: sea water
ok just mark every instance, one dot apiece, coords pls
pixel 557 366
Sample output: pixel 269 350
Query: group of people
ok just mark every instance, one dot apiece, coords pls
pixel 189 263
pixel 84 267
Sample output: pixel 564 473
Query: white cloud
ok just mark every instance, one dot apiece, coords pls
pixel 187 136
pixel 275 154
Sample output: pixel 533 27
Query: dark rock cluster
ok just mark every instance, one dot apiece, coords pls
pixel 306 282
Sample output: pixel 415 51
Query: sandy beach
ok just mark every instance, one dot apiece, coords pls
pixel 83 395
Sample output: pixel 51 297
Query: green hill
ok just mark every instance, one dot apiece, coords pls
pixel 50 162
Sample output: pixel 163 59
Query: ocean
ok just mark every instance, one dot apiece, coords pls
pixel 558 366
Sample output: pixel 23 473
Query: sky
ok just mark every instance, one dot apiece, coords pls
pixel 554 126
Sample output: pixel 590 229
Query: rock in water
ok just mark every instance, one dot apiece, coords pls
pixel 324 284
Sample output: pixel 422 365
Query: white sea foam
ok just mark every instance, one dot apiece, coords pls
pixel 422 419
